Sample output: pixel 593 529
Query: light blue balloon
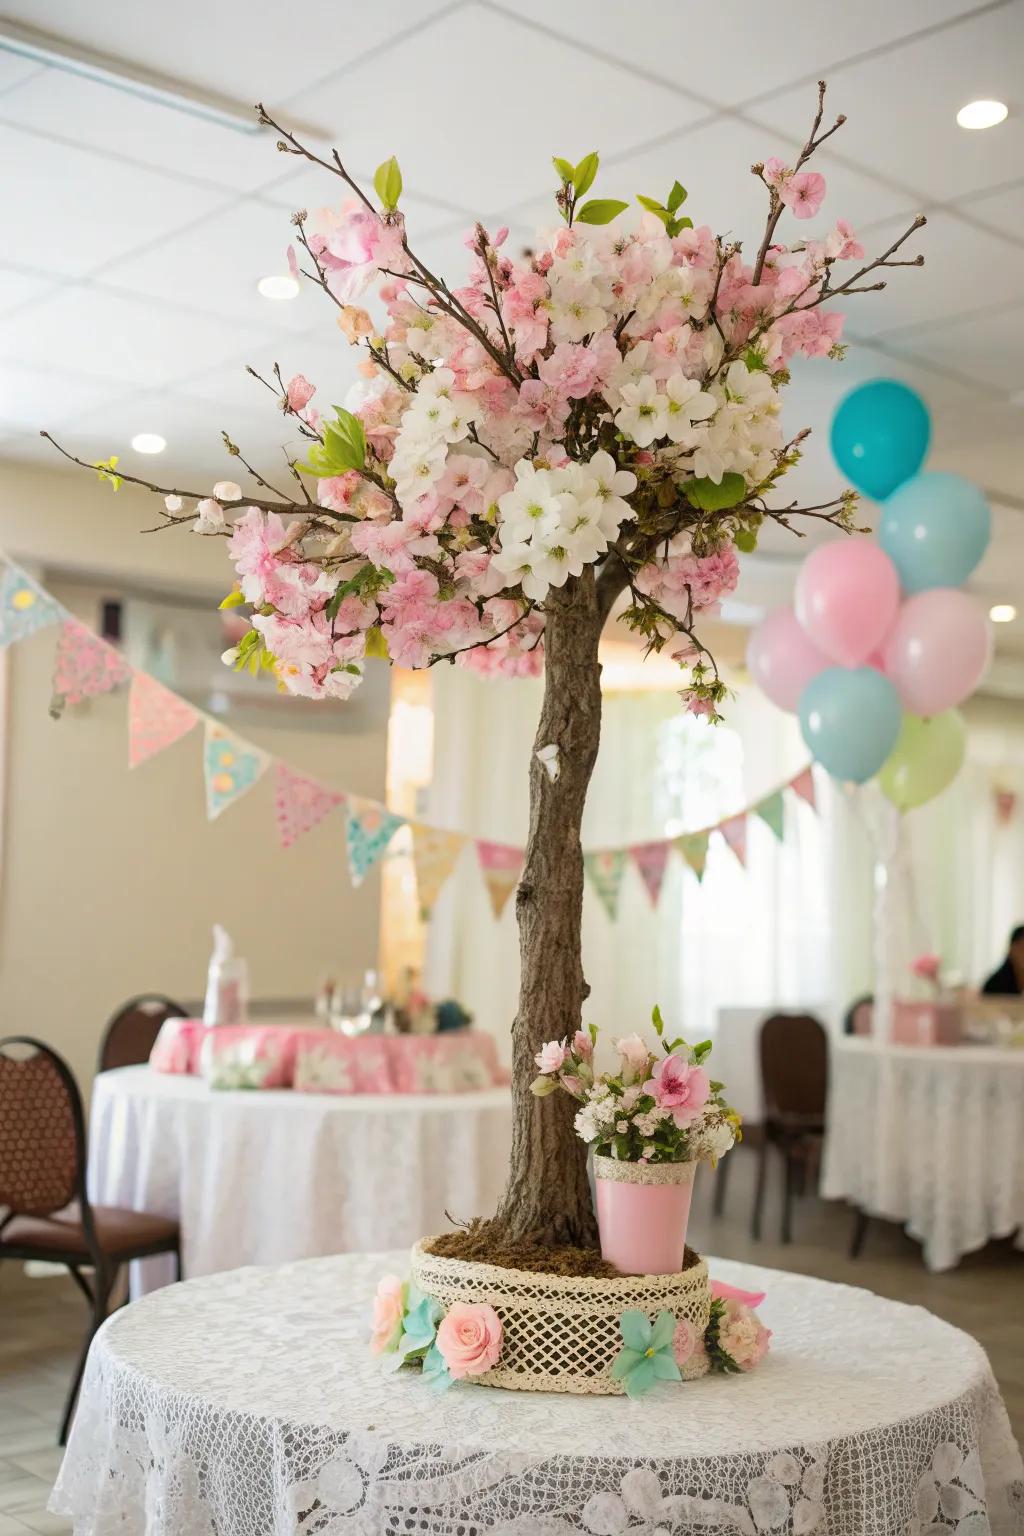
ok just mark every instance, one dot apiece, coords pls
pixel 850 718
pixel 880 435
pixel 935 529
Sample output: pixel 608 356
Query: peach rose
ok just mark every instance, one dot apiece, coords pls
pixel 469 1339
pixel 742 1335
pixel 388 1312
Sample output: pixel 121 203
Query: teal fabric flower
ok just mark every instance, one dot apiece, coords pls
pixel 419 1327
pixel 647 1355
pixel 435 1370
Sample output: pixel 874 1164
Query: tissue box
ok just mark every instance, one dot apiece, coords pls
pixel 926 1023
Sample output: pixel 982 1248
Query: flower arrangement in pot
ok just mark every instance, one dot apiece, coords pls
pixel 585 433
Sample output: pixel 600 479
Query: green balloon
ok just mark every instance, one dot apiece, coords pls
pixel 927 757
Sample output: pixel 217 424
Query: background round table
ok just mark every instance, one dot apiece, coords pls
pixel 261 1177
pixel 249 1403
pixel 930 1136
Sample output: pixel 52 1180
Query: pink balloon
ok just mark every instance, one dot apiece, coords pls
pixel 847 596
pixel 938 650
pixel 781 659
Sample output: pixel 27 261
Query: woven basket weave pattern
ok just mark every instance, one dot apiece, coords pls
pixel 561 1333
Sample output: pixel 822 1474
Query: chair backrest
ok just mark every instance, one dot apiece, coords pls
pixel 794 1064
pixel 131 1033
pixel 857 1019
pixel 42 1129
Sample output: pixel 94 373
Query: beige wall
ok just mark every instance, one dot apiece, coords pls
pixel 111 879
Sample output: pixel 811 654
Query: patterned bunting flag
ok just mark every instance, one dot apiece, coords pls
pixel 772 811
pixel 157 718
pixel 369 828
pixel 85 666
pixel 300 803
pixel 803 785
pixel 501 867
pixel 651 859
pixel 24 607
pixel 735 833
pixel 693 848
pixel 435 853
pixel 605 869
pixel 231 768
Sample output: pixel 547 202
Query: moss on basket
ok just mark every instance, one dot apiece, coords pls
pixel 477 1244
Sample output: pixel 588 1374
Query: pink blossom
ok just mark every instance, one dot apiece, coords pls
pixel 696 705
pixel 356 246
pixel 843 243
pixel 582 1045
pixel 300 392
pixel 469 1339
pixel 388 1312
pixel 391 545
pixel 743 1336
pixel 571 371
pixel 680 1087
pixel 635 1056
pixel 684 578
pixel 803 193
pixel 927 967
pixel 776 172
pixel 551 1057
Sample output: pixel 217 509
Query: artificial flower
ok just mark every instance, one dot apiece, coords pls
pixel 647 1353
pixel 469 1339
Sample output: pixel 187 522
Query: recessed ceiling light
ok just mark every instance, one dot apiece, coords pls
pixel 278 286
pixel 149 442
pixel 982 114
pixel 1002 613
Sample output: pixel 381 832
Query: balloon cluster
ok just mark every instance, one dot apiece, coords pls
pixel 881 644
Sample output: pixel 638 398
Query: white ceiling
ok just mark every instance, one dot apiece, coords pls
pixel 135 233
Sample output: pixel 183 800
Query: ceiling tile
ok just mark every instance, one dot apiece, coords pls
pixel 329 363
pixel 697 47
pixel 14 69
pixel 17 288
pixel 468 146
pixel 267 52
pixel 32 398
pixel 986 347
pixel 312 187
pixel 902 106
pixel 67 210
pixel 999 210
pixel 87 331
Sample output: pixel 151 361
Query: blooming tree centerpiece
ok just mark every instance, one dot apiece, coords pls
pixel 585 431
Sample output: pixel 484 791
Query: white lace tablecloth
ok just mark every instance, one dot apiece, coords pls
pixel 261 1177
pixel 932 1137
pixel 248 1404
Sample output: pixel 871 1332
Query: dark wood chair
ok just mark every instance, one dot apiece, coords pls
pixel 47 1213
pixel 794 1081
pixel 131 1033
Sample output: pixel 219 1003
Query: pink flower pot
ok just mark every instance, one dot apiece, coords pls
pixel 642 1212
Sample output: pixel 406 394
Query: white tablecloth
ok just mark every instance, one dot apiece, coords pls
pixel 929 1136
pixel 264 1177
pixel 249 1404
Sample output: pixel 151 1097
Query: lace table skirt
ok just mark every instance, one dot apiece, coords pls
pixel 247 1404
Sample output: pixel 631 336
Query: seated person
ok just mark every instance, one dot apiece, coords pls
pixel 1008 980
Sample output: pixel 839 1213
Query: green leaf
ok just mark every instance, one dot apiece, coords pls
pixel 663 1331
pixel 592 1032
pixel 343 447
pixel 564 168
pixel 387 181
pixel 542 1086
pixel 677 197
pixel 233 600
pixel 745 540
pixel 600 210
pixel 651 203
pixel 635 1328
pixel 657 1021
pixel 754 362
pixel 583 175
pixel 676 226
pixel 376 644
pixel 701 1051
pixel 708 496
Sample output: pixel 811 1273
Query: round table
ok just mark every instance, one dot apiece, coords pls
pixel 248 1403
pixel 931 1136
pixel 261 1177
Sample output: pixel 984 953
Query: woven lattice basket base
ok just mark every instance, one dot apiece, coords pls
pixel 561 1333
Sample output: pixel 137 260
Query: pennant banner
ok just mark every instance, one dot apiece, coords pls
pixel 24 607
pixel 157 718
pixel 693 849
pixel 772 811
pixel 300 803
pixel 435 854
pixel 605 870
pixel 803 785
pixel 651 860
pixel 735 833
pixel 369 828
pixel 231 767
pixel 85 666
pixel 501 867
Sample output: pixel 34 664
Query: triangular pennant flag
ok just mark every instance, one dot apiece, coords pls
pixel 85 666
pixel 735 833
pixel 24 607
pixel 605 869
pixel 157 718
pixel 803 785
pixel 651 859
pixel 369 828
pixel 435 853
pixel 501 867
pixel 693 848
pixel 300 803
pixel 231 767
pixel 772 811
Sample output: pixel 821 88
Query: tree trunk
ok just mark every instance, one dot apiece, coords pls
pixel 547 1198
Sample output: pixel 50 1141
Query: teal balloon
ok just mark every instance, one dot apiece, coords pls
pixel 935 529
pixel 850 718
pixel 880 435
